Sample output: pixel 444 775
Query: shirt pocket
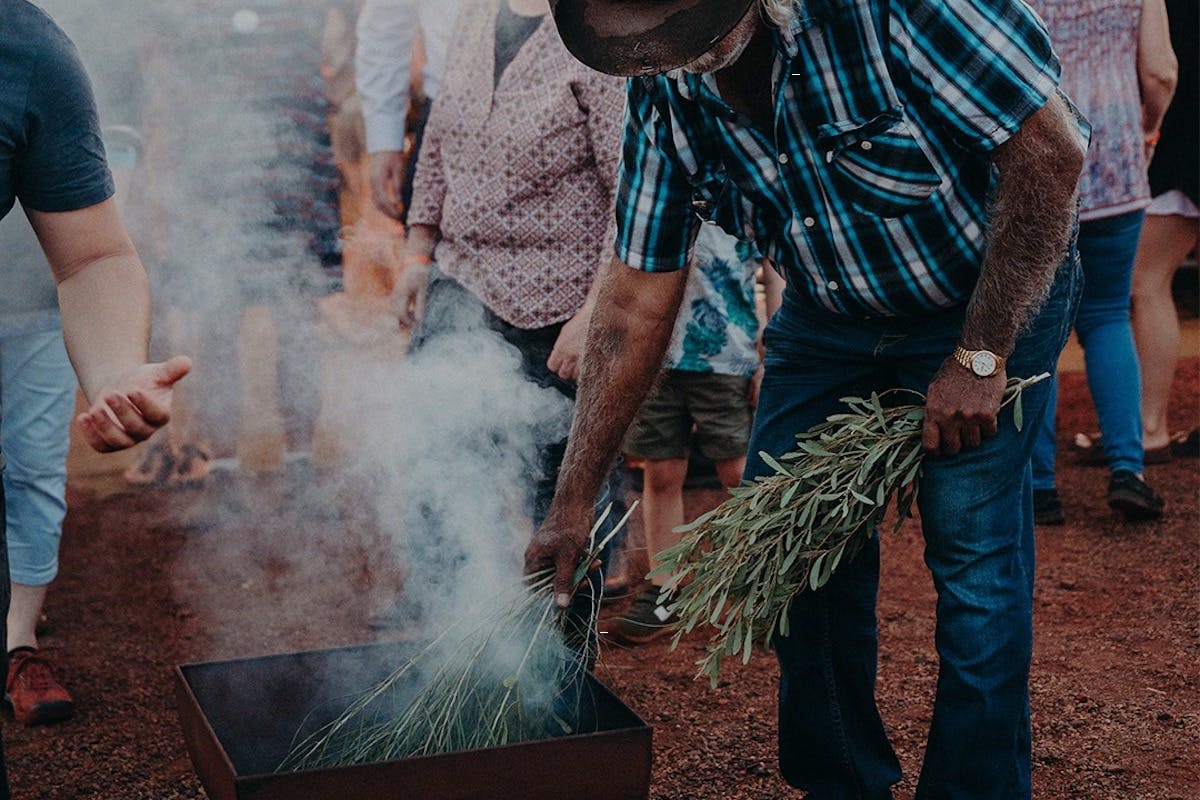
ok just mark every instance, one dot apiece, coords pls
pixel 879 166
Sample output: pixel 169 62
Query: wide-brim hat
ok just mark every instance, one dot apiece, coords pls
pixel 640 37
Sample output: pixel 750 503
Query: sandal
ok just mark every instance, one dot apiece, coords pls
pixel 1185 444
pixel 154 468
pixel 193 468
pixel 1090 450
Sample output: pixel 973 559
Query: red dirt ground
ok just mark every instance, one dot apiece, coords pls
pixel 154 579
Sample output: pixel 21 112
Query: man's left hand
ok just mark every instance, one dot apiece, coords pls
pixel 568 347
pixel 961 409
pixel 133 407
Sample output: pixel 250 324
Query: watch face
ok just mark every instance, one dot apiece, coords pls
pixel 983 363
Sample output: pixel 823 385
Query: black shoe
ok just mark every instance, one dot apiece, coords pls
pixel 1047 509
pixel 645 621
pixel 1129 494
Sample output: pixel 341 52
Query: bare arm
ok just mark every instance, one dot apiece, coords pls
pixel 628 335
pixel 104 297
pixel 774 285
pixel 1029 231
pixel 409 295
pixel 567 355
pixel 1158 69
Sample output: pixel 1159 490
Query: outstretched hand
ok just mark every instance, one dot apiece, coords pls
pixel 961 409
pixel 132 408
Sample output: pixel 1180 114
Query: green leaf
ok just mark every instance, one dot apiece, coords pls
pixel 1018 413
pixel 814 574
pixel 773 464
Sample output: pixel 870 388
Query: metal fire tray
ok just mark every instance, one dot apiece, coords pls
pixel 240 718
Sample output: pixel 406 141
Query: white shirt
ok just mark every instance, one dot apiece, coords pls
pixel 383 61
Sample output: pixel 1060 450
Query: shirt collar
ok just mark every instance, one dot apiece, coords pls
pixel 808 14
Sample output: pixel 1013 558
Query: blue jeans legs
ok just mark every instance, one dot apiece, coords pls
pixel 976 515
pixel 37 399
pixel 1106 249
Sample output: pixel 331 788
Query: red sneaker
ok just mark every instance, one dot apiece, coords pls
pixel 36 698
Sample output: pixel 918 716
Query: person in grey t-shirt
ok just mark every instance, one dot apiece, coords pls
pixel 52 161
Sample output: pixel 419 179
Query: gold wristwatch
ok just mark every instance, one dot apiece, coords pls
pixel 983 363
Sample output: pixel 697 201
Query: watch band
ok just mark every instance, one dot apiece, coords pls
pixel 967 359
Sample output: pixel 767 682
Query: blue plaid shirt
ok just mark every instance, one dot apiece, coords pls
pixel 871 194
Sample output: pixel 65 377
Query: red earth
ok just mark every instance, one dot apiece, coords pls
pixel 255 566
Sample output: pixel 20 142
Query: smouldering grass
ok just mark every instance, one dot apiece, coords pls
pixel 738 567
pixel 501 675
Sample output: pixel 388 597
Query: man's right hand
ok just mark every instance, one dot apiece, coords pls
pixel 560 544
pixel 133 407
pixel 385 171
pixel 409 295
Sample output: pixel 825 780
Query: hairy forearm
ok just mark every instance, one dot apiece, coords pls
pixel 106 320
pixel 1029 229
pixel 628 335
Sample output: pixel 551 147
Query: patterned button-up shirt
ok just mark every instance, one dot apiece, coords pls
pixel 870 191
pixel 519 177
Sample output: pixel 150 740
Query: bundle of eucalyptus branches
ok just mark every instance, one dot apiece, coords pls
pixel 738 567
pixel 507 672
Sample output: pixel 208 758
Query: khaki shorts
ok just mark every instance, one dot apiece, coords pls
pixel 715 407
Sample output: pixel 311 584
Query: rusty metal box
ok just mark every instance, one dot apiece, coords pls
pixel 240 718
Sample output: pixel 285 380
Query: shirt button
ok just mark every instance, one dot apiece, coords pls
pixel 833 286
pixel 809 222
pixel 866 145
pixel 783 158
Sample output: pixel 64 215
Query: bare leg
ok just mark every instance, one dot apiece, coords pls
pixel 24 611
pixel 730 471
pixel 662 506
pixel 662 501
pixel 1165 242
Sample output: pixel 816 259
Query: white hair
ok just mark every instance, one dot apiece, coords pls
pixel 780 12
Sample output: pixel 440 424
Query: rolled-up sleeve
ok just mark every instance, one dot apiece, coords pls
pixel 655 224
pixel 984 66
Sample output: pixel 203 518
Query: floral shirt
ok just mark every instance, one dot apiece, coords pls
pixel 1097 42
pixel 717 326
pixel 519 179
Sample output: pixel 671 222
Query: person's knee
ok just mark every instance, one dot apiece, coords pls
pixel 665 476
pixel 1096 316
pixel 730 470
pixel 36 466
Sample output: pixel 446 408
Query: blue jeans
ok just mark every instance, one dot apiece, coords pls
pixel 37 400
pixel 977 519
pixel 1106 249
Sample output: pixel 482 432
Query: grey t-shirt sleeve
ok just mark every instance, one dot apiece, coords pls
pixel 62 167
